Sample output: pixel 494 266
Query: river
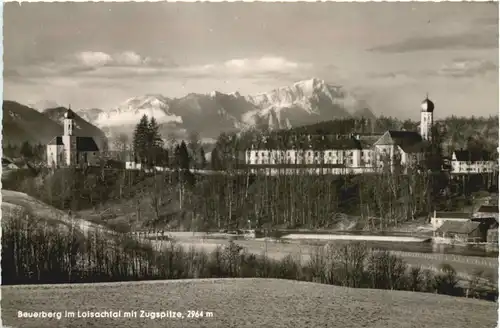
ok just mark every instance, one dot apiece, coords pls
pixel 417 247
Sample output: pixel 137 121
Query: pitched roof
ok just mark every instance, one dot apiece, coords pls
pixel 488 209
pixel 86 144
pixel 458 227
pixel 325 142
pixel 472 156
pixel 82 143
pixel 347 143
pixel 367 141
pixel 452 215
pixel 409 141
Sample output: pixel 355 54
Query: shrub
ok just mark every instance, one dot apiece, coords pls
pixel 446 281
pixel 386 271
pixel 415 279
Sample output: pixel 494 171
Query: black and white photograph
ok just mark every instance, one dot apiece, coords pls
pixel 250 164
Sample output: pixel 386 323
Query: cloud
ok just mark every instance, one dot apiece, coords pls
pixel 458 68
pixel 90 64
pixel 86 62
pixel 93 59
pixel 467 68
pixel 264 64
pixel 96 59
pixel 443 42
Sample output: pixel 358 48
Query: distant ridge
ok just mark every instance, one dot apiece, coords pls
pixel 304 102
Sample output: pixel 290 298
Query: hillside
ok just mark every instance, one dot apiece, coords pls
pixel 22 123
pixel 16 204
pixel 245 303
pixel 82 127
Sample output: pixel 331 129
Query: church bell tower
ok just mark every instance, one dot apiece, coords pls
pixel 426 119
pixel 69 139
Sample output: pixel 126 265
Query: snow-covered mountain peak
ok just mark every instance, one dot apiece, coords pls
pixel 213 94
pixel 128 112
pixel 146 101
pixel 301 93
pixel 310 86
pixel 303 102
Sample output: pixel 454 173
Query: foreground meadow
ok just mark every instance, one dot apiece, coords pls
pixel 244 303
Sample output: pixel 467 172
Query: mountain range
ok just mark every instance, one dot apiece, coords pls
pixel 305 102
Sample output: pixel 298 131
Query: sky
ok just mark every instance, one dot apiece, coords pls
pixel 97 55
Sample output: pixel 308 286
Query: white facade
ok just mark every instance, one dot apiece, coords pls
pixel 55 155
pixel 426 121
pixel 347 157
pixel 313 171
pixel 352 160
pixel 470 167
pixel 463 167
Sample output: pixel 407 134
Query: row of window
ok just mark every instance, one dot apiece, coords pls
pixel 315 161
pixel 469 169
pixel 316 154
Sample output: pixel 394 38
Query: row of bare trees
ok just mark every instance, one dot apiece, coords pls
pixel 35 252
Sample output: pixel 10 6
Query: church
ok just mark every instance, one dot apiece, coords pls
pixel 70 150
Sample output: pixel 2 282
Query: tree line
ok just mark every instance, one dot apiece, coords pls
pixel 30 152
pixel 35 254
pixel 150 149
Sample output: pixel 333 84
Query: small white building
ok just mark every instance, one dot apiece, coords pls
pixel 470 162
pixel 70 150
pixel 440 218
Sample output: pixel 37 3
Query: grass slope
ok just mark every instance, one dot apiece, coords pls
pixel 22 123
pixel 245 303
pixel 14 202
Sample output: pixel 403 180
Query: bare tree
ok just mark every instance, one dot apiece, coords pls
pixel 121 142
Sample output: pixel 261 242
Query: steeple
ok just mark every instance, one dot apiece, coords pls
pixel 69 122
pixel 427 105
pixel 426 118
